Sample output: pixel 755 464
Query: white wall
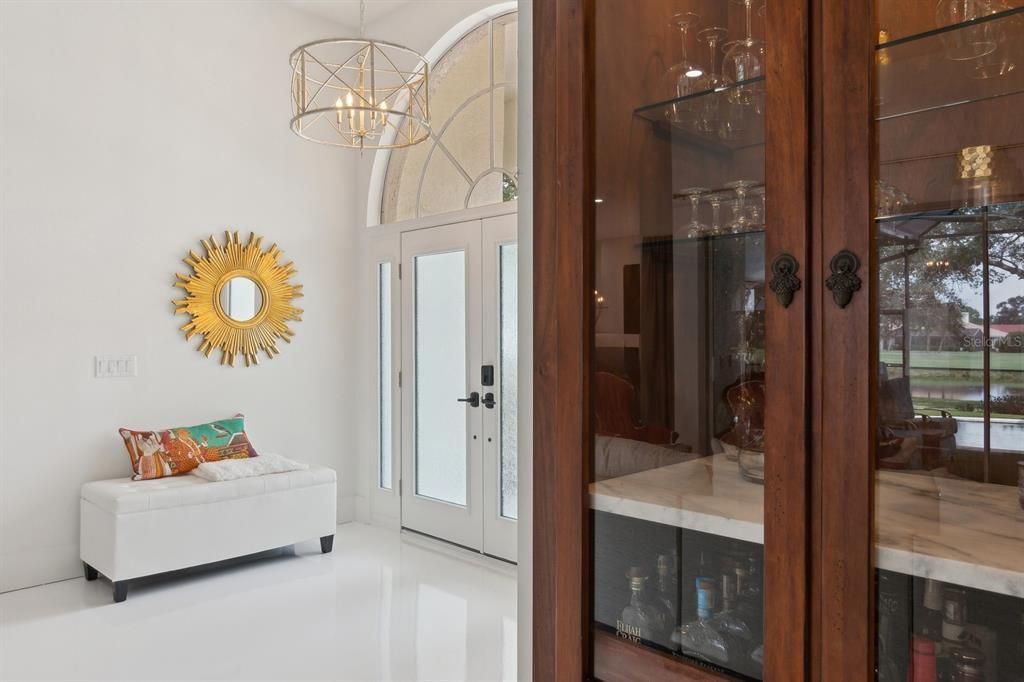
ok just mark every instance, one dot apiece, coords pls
pixel 129 131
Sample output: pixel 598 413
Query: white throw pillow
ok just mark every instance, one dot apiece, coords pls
pixel 231 469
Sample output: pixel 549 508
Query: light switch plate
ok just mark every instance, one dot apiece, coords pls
pixel 115 366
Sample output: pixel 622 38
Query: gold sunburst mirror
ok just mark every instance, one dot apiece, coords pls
pixel 239 298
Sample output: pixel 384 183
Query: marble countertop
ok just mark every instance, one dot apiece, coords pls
pixel 957 531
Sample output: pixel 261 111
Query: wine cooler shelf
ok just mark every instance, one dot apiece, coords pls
pixel 700 596
pixel 983 549
pixel 691 594
pixel 927 629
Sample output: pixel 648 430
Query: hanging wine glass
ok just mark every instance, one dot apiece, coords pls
pixel 999 61
pixel 969 42
pixel 712 114
pixel 687 77
pixel 744 60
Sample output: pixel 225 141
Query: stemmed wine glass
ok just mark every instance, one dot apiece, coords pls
pixel 716 206
pixel 740 221
pixel 971 42
pixel 757 211
pixel 712 114
pixel 744 60
pixel 686 77
pixel 695 227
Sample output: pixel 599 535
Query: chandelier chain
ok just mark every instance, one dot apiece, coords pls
pixel 362 18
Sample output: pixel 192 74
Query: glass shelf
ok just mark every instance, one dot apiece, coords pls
pixel 747 122
pixel 920 73
pixel 711 238
pixel 946 223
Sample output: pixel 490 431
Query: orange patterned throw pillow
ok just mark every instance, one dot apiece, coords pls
pixel 155 454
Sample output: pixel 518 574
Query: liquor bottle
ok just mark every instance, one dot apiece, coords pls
pixel 749 604
pixel 893 627
pixel 697 638
pixel 954 614
pixel 931 612
pixel 667 594
pixel 969 665
pixel 954 620
pixel 705 569
pixel 982 639
pixel 727 621
pixel 641 620
pixel 922 660
pixel 737 634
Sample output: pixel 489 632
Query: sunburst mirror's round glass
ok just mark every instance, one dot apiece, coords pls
pixel 241 299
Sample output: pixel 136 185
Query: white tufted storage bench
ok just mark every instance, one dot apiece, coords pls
pixel 132 528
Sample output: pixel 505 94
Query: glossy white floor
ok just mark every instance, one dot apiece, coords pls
pixel 382 606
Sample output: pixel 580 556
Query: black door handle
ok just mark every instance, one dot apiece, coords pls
pixel 473 399
pixel 489 401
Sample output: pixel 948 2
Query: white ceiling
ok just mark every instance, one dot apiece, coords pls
pixel 346 12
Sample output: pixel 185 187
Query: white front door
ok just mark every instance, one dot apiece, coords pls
pixel 458 384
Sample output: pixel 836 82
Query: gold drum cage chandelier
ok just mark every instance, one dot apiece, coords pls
pixel 359 93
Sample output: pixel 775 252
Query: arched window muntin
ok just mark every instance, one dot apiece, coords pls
pixel 449 173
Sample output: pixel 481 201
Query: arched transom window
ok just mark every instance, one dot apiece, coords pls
pixel 470 157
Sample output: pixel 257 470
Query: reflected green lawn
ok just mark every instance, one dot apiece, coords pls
pixel 922 359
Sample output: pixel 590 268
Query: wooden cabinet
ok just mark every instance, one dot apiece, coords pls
pixel 779 379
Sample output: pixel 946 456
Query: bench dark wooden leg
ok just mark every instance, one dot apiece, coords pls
pixel 90 572
pixel 120 590
pixel 326 544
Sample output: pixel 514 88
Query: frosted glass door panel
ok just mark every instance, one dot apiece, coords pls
pixel 509 254
pixel 441 376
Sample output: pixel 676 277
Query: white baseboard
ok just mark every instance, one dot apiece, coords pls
pixel 392 522
pixel 38 566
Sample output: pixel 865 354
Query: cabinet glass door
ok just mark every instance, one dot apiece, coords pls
pixel 680 362
pixel 949 318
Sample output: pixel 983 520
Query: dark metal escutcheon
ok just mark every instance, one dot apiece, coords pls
pixel 785 282
pixel 843 281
